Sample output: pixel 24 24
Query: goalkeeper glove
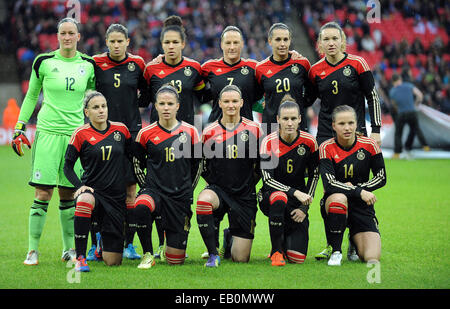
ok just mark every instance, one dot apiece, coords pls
pixel 19 138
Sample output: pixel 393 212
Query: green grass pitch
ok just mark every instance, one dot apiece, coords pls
pixel 413 210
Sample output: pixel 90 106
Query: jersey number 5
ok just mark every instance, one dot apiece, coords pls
pixel 117 80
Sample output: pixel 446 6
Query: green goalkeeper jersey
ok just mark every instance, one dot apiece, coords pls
pixel 64 82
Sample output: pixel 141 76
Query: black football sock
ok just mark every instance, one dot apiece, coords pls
pixel 205 221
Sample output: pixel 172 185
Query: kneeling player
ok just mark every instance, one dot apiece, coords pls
pixel 286 155
pixel 230 150
pixel 101 146
pixel 168 148
pixel 345 165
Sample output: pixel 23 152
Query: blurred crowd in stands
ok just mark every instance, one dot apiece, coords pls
pixel 34 24
pixel 412 37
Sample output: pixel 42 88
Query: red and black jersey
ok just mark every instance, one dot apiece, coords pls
pixel 348 82
pixel 122 82
pixel 185 77
pixel 339 166
pixel 101 155
pixel 280 78
pixel 285 165
pixel 242 74
pixel 171 158
pixel 231 157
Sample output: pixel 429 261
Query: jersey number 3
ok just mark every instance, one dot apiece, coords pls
pixel 335 85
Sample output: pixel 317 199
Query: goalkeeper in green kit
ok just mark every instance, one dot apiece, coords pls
pixel 64 75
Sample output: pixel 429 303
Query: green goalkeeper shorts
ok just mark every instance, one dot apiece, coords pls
pixel 47 162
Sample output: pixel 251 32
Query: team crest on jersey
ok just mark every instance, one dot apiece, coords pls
pixel 187 71
pixel 360 155
pixel 301 150
pixel 131 66
pixel 117 136
pixel 347 72
pixel 37 174
pixel 182 138
pixel 295 69
pixel 244 136
pixel 82 71
pixel 244 70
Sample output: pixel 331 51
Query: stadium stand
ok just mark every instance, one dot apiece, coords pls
pixel 412 39
pixel 35 23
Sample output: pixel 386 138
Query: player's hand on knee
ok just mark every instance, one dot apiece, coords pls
pixel 83 189
pixel 368 197
pixel 297 215
pixel 19 138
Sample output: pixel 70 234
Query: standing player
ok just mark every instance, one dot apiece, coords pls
pixel 101 146
pixel 119 77
pixel 232 69
pixel 183 73
pixel 345 165
pixel 287 155
pixel 280 74
pixel 168 147
pixel 230 150
pixel 340 78
pixel 64 75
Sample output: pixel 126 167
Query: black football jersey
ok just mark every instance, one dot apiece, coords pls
pixel 231 157
pixel 185 77
pixel 123 85
pixel 339 166
pixel 102 156
pixel 285 165
pixel 348 82
pixel 280 78
pixel 172 158
pixel 219 74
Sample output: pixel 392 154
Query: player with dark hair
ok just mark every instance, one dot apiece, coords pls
pixel 119 77
pixel 232 69
pixel 64 75
pixel 101 146
pixel 340 78
pixel 230 167
pixel 287 155
pixel 183 73
pixel 345 165
pixel 280 74
pixel 168 146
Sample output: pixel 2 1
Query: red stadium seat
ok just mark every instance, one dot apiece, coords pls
pixel 415 72
pixel 412 59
